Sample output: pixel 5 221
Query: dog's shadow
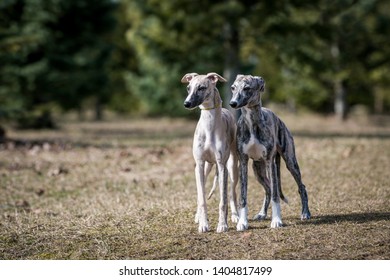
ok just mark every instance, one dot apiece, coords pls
pixel 357 218
pixel 351 217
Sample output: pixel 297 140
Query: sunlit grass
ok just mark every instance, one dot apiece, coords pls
pixel 126 190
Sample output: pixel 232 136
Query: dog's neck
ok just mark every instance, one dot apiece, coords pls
pixel 253 113
pixel 213 102
pixel 211 113
pixel 255 103
pixel 253 110
pixel 255 106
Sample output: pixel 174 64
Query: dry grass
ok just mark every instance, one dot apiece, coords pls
pixel 126 190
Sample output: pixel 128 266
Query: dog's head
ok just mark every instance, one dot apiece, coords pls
pixel 200 88
pixel 247 91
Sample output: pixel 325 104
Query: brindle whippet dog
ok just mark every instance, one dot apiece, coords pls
pixel 263 137
pixel 214 143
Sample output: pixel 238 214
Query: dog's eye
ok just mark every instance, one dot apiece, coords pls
pixel 188 88
pixel 202 88
pixel 232 87
pixel 247 88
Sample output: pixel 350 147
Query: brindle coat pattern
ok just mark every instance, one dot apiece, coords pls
pixel 264 138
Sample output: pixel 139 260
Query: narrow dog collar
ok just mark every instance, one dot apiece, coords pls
pixel 211 108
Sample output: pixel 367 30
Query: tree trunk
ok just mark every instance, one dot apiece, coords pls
pixel 340 100
pixel 232 63
pixel 340 104
pixel 378 101
pixel 2 134
pixel 98 110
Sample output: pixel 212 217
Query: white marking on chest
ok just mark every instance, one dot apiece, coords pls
pixel 254 149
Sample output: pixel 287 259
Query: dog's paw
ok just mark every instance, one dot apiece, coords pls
pixel 203 228
pixel 222 227
pixel 260 217
pixel 242 225
pixel 305 216
pixel 276 223
pixel 235 218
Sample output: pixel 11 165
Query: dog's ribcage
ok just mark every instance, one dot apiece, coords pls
pixel 208 142
pixel 262 134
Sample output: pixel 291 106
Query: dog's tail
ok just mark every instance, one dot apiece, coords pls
pixel 215 183
pixel 282 197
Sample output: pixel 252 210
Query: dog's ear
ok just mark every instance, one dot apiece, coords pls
pixel 214 77
pixel 188 77
pixel 260 83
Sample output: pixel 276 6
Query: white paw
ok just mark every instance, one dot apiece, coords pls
pixel 235 218
pixel 242 225
pixel 222 227
pixel 276 223
pixel 305 216
pixel 203 228
pixel 276 216
pixel 260 217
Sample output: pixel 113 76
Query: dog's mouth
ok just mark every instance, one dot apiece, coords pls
pixel 235 105
pixel 190 105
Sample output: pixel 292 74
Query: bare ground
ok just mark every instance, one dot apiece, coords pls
pixel 126 190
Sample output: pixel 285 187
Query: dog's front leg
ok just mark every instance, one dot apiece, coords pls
pixel 223 209
pixel 243 220
pixel 233 173
pixel 275 196
pixel 202 207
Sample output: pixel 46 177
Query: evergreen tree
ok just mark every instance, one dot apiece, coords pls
pixel 54 52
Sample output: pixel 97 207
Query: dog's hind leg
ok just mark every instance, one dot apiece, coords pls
pixel 293 167
pixel 223 207
pixel 277 161
pixel 208 168
pixel 261 177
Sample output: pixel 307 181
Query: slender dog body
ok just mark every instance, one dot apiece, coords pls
pixel 264 138
pixel 214 143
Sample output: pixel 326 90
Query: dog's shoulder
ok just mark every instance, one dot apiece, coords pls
pixel 227 115
pixel 269 113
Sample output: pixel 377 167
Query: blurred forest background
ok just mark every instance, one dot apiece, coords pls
pixel 128 56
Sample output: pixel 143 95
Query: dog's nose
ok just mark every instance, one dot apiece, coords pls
pixel 187 104
pixel 233 104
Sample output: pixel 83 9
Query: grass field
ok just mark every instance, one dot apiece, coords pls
pixel 126 190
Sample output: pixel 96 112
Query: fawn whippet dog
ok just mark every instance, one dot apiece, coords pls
pixel 214 143
pixel 263 137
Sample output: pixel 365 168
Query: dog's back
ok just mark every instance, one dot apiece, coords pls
pixel 284 138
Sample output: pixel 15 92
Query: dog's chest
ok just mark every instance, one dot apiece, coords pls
pixel 208 146
pixel 256 138
pixel 254 149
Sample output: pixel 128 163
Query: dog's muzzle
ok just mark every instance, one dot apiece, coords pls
pixel 233 104
pixel 187 104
